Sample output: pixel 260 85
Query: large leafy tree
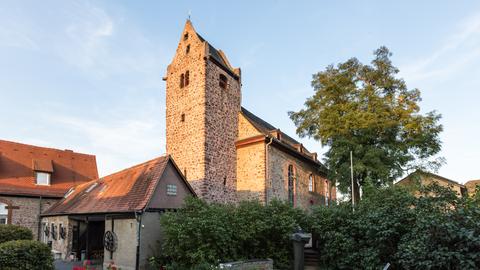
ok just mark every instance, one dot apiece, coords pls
pixel 368 110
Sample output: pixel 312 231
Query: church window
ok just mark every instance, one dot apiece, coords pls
pixel 222 81
pixel 185 36
pixel 224 181
pixel 183 117
pixel 182 80
pixel 310 183
pixel 187 78
pixel 291 185
pixel 188 49
pixel 326 192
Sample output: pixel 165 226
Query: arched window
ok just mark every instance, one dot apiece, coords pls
pixel 310 183
pixel 3 213
pixel 326 192
pixel 182 80
pixel 187 78
pixel 187 50
pixel 222 81
pixel 291 185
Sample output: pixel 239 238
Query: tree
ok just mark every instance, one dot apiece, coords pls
pixel 366 109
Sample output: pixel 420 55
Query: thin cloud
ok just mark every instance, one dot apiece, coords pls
pixel 458 51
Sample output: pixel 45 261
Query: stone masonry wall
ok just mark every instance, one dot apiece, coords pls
pixel 61 245
pixel 278 184
pixel 185 139
pixel 27 214
pixel 202 141
pixel 251 172
pixel 222 109
pixel 245 128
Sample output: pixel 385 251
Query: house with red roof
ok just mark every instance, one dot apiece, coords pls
pixel 116 219
pixel 33 178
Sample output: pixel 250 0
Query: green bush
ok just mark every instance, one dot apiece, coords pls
pixel 14 232
pixel 436 230
pixel 207 234
pixel 25 255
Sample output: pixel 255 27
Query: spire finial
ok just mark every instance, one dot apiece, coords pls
pixel 189 14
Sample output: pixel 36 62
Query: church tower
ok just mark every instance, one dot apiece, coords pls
pixel 203 103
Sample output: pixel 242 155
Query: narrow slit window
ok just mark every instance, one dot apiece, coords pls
pixel 188 49
pixel 185 36
pixel 182 80
pixel 222 81
pixel 183 117
pixel 291 185
pixel 187 78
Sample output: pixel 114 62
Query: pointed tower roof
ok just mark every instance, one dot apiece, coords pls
pixel 217 56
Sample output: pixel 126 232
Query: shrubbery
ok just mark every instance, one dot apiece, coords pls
pixel 203 233
pixel 436 230
pixel 14 232
pixel 25 255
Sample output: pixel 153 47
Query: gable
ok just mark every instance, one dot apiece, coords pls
pixel 161 199
pixel 245 128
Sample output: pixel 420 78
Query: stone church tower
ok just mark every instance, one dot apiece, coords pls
pixel 203 103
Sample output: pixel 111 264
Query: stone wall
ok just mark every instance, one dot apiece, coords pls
pixel 185 139
pixel 223 107
pixel 60 246
pixel 251 172
pixel 245 128
pixel 249 265
pixel 278 179
pixel 25 211
pixel 202 120
pixel 125 256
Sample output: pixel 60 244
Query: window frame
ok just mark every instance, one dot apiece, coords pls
pixel 49 178
pixel 291 184
pixel 311 183
pixel 222 81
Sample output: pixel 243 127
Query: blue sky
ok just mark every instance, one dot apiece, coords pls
pixel 87 75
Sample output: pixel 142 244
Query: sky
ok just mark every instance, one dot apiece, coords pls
pixel 87 75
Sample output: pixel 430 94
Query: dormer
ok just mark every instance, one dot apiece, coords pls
pixel 43 170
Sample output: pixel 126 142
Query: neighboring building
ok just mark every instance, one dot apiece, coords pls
pixel 472 186
pixel 117 218
pixel 226 152
pixel 426 178
pixel 33 178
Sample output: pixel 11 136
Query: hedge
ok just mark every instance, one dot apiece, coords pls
pixel 202 234
pixel 14 232
pixel 25 255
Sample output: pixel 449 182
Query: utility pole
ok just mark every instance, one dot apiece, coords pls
pixel 353 186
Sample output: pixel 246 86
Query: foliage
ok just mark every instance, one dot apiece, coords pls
pixel 368 110
pixel 14 232
pixel 436 230
pixel 207 233
pixel 25 255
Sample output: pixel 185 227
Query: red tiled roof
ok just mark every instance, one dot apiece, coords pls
pixel 19 161
pixel 124 191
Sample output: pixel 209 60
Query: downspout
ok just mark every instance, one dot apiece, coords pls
pixel 39 228
pixel 138 217
pixel 266 169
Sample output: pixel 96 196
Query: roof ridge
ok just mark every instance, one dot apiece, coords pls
pixel 135 166
pixel 46 148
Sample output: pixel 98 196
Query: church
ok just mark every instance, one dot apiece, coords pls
pixel 216 150
pixel 226 152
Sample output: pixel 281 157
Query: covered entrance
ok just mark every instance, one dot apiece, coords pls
pixel 87 237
